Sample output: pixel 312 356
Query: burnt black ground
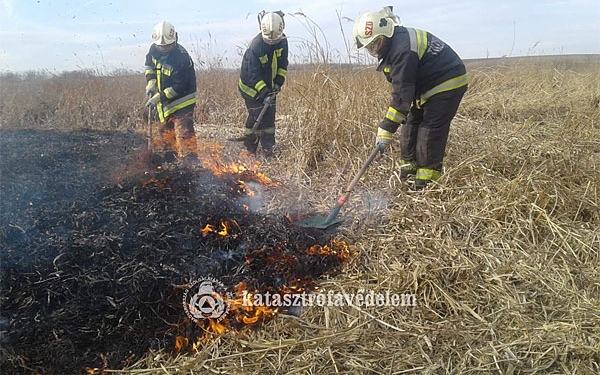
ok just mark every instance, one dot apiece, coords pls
pixel 93 240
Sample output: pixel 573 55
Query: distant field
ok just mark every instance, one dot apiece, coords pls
pixel 559 61
pixel 503 254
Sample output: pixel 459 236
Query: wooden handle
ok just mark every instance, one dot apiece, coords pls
pixel 342 199
pixel 150 136
pixel 360 173
pixel 260 116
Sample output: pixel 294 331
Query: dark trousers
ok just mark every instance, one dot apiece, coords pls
pixel 425 134
pixel 265 131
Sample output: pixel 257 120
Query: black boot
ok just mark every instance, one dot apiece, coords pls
pixel 425 176
pixel 421 184
pixel 251 142
pixel 408 169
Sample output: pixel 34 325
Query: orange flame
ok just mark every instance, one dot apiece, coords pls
pixel 212 328
pixel 337 248
pixel 224 228
pixel 210 156
pixel 97 370
pixel 244 313
pixel 180 343
pixel 244 309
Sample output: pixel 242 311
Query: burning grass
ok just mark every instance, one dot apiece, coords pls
pixel 101 272
pixel 503 254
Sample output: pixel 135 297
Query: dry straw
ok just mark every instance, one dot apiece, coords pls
pixel 503 253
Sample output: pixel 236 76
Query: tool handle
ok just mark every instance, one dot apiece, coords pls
pixel 363 169
pixel 260 116
pixel 150 130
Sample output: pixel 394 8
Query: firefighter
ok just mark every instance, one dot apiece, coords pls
pixel 263 72
pixel 171 88
pixel 428 82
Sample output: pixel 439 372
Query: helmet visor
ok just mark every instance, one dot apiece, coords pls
pixel 374 46
pixel 362 42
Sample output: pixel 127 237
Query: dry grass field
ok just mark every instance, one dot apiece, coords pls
pixel 503 253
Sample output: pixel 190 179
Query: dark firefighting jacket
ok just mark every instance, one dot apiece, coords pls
pixel 418 65
pixel 263 66
pixel 175 77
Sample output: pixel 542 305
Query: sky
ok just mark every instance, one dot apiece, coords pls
pixel 107 36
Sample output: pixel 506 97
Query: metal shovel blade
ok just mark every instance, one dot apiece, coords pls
pixel 322 222
pixel 319 222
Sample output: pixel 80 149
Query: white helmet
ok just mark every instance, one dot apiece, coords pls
pixel 164 34
pixel 370 25
pixel 271 27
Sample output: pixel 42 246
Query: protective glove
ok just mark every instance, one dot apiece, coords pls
pixel 276 89
pixel 269 99
pixel 153 101
pixel 383 139
pixel 262 94
pixel 151 87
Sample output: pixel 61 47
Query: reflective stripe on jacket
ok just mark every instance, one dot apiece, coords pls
pixel 263 65
pixel 175 77
pixel 418 65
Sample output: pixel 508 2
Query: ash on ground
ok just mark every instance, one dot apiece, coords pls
pixel 94 241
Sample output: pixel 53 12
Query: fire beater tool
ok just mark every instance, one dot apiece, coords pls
pixel 256 123
pixel 324 222
pixel 150 131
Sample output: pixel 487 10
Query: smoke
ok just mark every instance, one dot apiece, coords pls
pixel 256 201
